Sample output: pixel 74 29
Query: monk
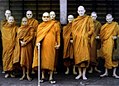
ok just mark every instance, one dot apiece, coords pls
pixel 7 14
pixel 34 23
pixel 31 21
pixel 53 18
pixel 8 32
pixel 108 34
pixel 48 34
pixel 82 29
pixel 23 49
pixel 68 45
pixel 94 44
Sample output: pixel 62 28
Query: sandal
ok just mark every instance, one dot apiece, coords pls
pixel 52 81
pixel 42 80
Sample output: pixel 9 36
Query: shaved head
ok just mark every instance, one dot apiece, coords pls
pixel 109 18
pixel 24 21
pixel 7 14
pixel 81 11
pixel 46 16
pixel 94 15
pixel 70 18
pixel 52 15
pixel 29 14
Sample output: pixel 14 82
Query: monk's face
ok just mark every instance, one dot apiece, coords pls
pixel 11 20
pixel 81 11
pixel 7 14
pixel 46 17
pixel 52 15
pixel 70 18
pixel 24 21
pixel 29 14
pixel 94 16
pixel 109 19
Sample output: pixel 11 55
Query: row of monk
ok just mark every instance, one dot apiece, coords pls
pixel 80 35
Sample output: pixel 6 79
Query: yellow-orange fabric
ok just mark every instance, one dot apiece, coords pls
pixel 68 47
pixel 49 34
pixel 107 43
pixel 82 29
pixel 8 42
pixel 94 44
pixel 23 54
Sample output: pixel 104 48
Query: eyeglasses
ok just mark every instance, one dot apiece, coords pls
pixel 29 14
pixel 45 16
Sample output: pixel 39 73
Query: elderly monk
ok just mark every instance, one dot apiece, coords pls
pixel 34 23
pixel 94 44
pixel 7 14
pixel 23 49
pixel 68 46
pixel 4 21
pixel 82 29
pixel 48 34
pixel 53 18
pixel 8 32
pixel 108 33
pixel 31 21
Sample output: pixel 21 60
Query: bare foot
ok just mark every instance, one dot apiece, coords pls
pixel 67 72
pixel 78 77
pixel 29 79
pixel 74 72
pixel 6 75
pixel 22 78
pixel 115 76
pixel 103 75
pixel 84 78
pixel 12 75
pixel 90 71
pixel 97 70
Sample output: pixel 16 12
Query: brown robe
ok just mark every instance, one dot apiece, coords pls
pixel 23 54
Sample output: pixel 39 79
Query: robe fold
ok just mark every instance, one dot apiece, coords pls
pixel 95 43
pixel 107 43
pixel 8 42
pixel 49 34
pixel 23 54
pixel 82 29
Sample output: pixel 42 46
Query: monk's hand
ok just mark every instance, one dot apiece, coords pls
pixel 71 41
pixel 97 37
pixel 114 37
pixel 57 46
pixel 22 43
pixel 38 44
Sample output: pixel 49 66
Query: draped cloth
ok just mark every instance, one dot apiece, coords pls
pixel 68 47
pixel 23 54
pixel 82 29
pixel 107 43
pixel 8 42
pixel 95 43
pixel 48 34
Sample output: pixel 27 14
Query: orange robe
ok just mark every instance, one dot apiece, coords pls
pixel 107 43
pixel 34 23
pixel 82 29
pixel 49 34
pixel 68 47
pixel 8 43
pixel 94 42
pixel 23 54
